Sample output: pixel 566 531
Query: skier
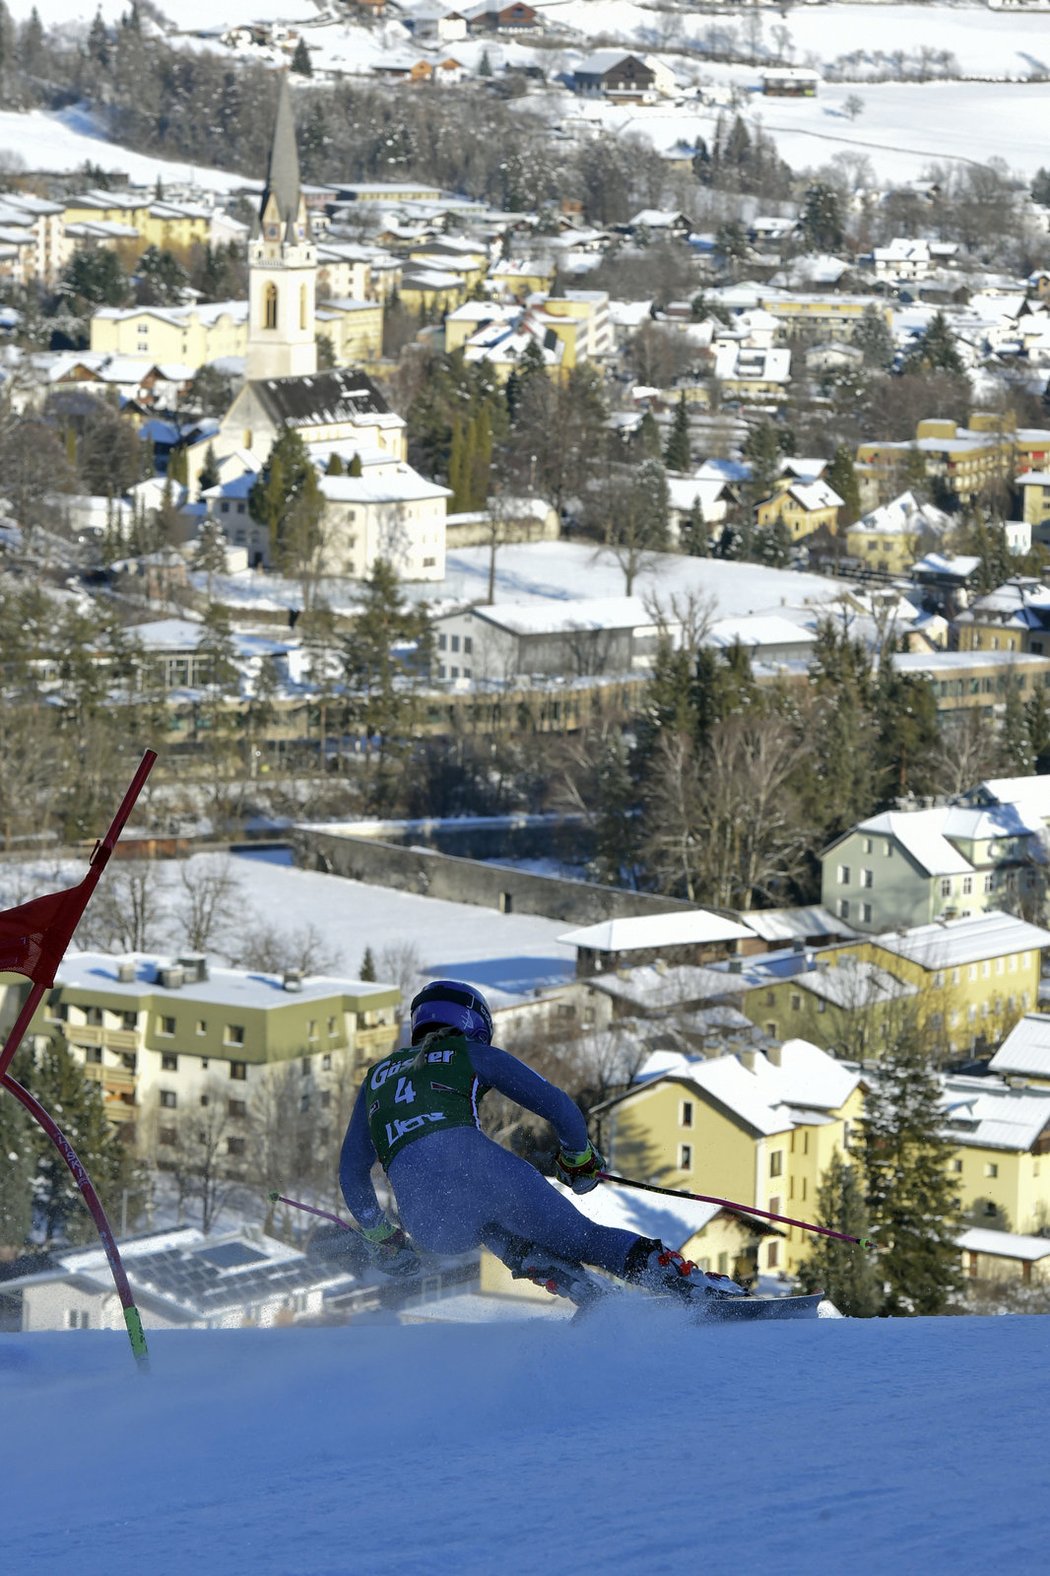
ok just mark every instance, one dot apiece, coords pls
pixel 417 1114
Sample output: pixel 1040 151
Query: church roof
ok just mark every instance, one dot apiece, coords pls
pixel 282 175
pixel 321 398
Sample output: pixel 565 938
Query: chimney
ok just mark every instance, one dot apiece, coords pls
pixel 126 971
pixel 171 977
pixel 774 1054
pixel 747 1059
pixel 736 965
pixel 293 980
pixel 194 966
pixel 798 944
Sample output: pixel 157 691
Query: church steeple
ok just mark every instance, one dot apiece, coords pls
pixel 282 198
pixel 282 264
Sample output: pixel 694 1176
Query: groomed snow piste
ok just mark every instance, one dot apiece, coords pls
pixel 636 1443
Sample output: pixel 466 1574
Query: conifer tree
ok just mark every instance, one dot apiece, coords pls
pixel 209 476
pixel 59 1084
pixel 335 466
pixel 301 59
pixel 843 478
pixel 936 351
pixel 355 467
pixel 18 1154
pixel 847 1274
pixel 368 967
pixel 678 453
pixel 649 436
pixel 912 1200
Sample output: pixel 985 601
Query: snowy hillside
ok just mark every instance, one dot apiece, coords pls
pixel 635 1444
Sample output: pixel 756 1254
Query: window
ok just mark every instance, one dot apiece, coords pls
pixel 796 1001
pixel 304 1066
pixel 270 306
pixel 333 1029
pixel 129 1061
pixel 946 886
pixel 468 645
pixel 168 1099
pixel 774 1255
pixel 169 1062
pixel 311 1029
pixel 991 1169
pixel 201 1026
pixel 237 1107
pixel 888 850
pixel 233 1034
pixel 326 1062
pixel 442 642
pixel 77 1319
pixel 844 875
pixel 723 1264
pixel 454 644
pixel 166 1026
pixel 686 1114
pixel 239 1070
pixel 304 1102
pixel 129 1021
pixel 868 845
pixel 235 1146
pixel 967 885
pixel 167 1135
pixel 844 908
pixel 93 1053
pixel 989 881
pixel 302 306
pixel 776 1163
pixel 957 1166
pixel 867 878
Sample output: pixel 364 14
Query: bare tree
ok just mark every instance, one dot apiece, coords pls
pixel 128 910
pixel 271 950
pixel 210 892
pixel 197 1152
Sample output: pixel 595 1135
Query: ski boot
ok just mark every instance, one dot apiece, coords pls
pixel 663 1272
pixel 559 1276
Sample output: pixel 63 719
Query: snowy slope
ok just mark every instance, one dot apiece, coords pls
pixel 636 1444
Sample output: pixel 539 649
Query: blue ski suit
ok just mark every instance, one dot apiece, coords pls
pixel 456 1189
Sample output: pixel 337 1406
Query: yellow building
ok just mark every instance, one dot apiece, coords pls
pixel 175 227
pixel 190 335
pixel 964 459
pixel 833 316
pixel 461 257
pixel 432 292
pixel 802 506
pixel 1001 1160
pixel 520 279
pixel 354 330
pixel 976 977
pixel 758 1129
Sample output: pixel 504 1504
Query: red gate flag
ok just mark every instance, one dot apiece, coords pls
pixel 34 936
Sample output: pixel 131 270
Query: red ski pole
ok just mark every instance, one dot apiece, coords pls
pixel 740 1209
pixel 294 1203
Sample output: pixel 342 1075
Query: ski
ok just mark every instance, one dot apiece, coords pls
pixel 726 1310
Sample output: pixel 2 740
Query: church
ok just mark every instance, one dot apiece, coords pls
pixel 388 510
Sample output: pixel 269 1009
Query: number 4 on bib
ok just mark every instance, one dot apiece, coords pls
pixel 404 1094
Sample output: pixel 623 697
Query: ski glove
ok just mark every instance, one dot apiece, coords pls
pixel 582 1171
pixel 390 1249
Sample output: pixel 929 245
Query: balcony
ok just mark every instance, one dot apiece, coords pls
pixel 92 1034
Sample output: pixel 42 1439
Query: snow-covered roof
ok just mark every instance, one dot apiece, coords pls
pixel 233 988
pixel 1026 1049
pixel 1032 792
pixel 689 927
pixel 762 630
pixel 772 1094
pixel 1004 1244
pixel 921 834
pixel 557 617
pixel 949 943
pixel 985 1113
pixel 672 1220
pixel 790 924
pixel 401 486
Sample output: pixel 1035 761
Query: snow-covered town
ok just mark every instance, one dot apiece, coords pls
pixel 530 527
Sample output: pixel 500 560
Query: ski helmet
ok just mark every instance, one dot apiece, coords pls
pixel 451 1004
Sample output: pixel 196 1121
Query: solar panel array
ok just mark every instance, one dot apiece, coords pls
pixel 192 1280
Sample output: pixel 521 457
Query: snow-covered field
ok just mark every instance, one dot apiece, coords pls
pixel 507 955
pixel 69 141
pixel 633 1444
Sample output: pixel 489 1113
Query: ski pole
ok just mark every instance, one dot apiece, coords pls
pixel 742 1209
pixel 295 1203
